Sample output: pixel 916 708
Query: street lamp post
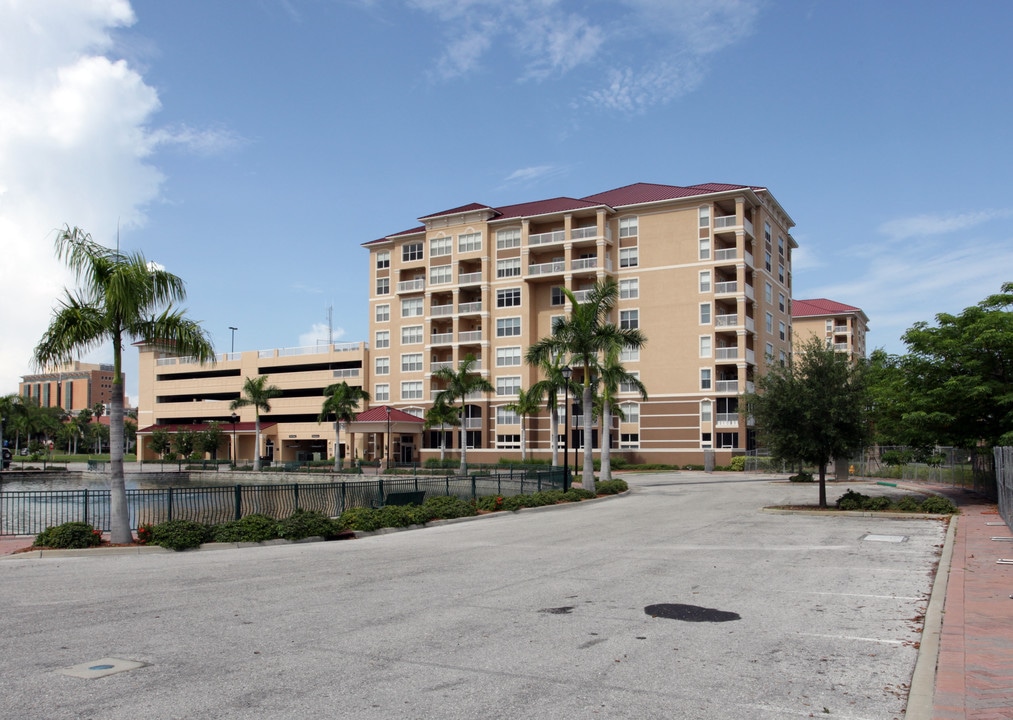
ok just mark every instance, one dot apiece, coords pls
pixel 387 407
pixel 567 373
pixel 233 329
pixel 235 450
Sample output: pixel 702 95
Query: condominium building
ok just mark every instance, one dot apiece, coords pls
pixel 703 271
pixel 842 327
pixel 73 386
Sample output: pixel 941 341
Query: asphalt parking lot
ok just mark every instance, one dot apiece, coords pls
pixel 539 614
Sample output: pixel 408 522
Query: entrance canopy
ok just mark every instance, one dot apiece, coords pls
pixel 375 420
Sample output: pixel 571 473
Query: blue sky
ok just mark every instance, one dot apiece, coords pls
pixel 251 147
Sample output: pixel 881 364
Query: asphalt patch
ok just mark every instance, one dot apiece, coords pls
pixel 690 613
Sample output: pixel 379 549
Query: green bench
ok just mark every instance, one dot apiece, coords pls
pixel 404 498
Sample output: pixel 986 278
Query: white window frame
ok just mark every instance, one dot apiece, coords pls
pixel 628 354
pixel 629 289
pixel 508 441
pixel 382 259
pixel 469 242
pixel 413 252
pixel 411 390
pixel 508 238
pixel 629 441
pixel 705 316
pixel 782 330
pixel 706 346
pixel 629 226
pixel 768 293
pixel 706 378
pixel 383 313
pixel 629 257
pixel 705 249
pixel 381 365
pixel 508 385
pixel 508 356
pixel 381 392
pixel 506 416
pixel 626 387
pixel 411 334
pixel 632 412
pixel 382 339
pixel 768 323
pixel 411 362
pixel 705 281
pixel 508 297
pixel 441 246
pixel 704 214
pixel 412 307
pixel 629 319
pixel 509 267
pixel 508 326
pixel 441 274
pixel 706 411
pixel 383 286
pixel 781 305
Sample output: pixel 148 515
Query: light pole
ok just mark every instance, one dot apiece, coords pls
pixel 387 407
pixel 567 373
pixel 233 329
pixel 235 450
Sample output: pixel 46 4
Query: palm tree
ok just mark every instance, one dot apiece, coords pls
pixel 613 374
pixel 122 297
pixel 584 336
pixel 258 394
pixel 461 383
pixel 441 414
pixel 342 400
pixel 527 403
pixel 552 367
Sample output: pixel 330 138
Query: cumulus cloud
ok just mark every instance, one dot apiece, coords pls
pixel 925 225
pixel 320 335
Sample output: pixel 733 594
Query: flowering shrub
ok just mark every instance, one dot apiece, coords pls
pixel 71 535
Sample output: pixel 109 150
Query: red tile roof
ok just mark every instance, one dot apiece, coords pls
pixel 379 414
pixel 544 207
pixel 640 193
pixel 470 207
pixel 820 306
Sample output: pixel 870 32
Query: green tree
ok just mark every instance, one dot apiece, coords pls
pixel 459 384
pixel 122 297
pixel 208 440
pixel 613 375
pixel 584 336
pixel 129 433
pixel 258 395
pixel 10 409
pixel 551 366
pixel 161 441
pixel 341 402
pixel 526 404
pixel 440 414
pixel 813 409
pixel 185 442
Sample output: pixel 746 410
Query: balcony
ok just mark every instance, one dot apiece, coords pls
pixel 581 295
pixel 473 423
pixel 442 310
pixel 727 419
pixel 469 278
pixel 726 353
pixel 441 338
pixel 589 263
pixel 470 307
pixel 416 285
pixel 470 336
pixel 441 365
pixel 725 221
pixel 727 386
pixel 726 254
pixel 840 329
pixel 584 232
pixel 726 287
pixel 551 268
pixel 726 320
pixel 548 238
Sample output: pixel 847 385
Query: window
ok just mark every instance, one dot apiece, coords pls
pixel 382 366
pixel 382 339
pixel 768 292
pixel 782 358
pixel 508 268
pixel 705 313
pixel 508 356
pixel 626 386
pixel 505 416
pixel 629 289
pixel 629 440
pixel 705 248
pixel 508 238
pixel 705 281
pixel 411 334
pixel 411 307
pixel 383 313
pixel 770 351
pixel 632 411
pixel 411 390
pixel 508 327
pixel 780 273
pixel 628 227
pixel 629 319
pixel 411 251
pixel 441 275
pixel 628 257
pixel 766 260
pixel 705 440
pixel 705 217
pixel 383 286
pixel 383 259
pixel 780 329
pixel 629 355
pixel 411 362
pixel 780 302
pixel 508 441
pixel 440 247
pixel 769 323
pixel 509 385
pixel 705 346
pixel 766 231
pixel 727 440
pixel 469 242
pixel 780 246
pixel 705 378
pixel 381 392
pixel 557 298
pixel 511 297
pixel 705 411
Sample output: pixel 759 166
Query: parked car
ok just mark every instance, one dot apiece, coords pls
pixel 7 455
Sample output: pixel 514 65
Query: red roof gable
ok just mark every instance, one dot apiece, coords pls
pixel 379 414
pixel 640 193
pixel 544 207
pixel 470 207
pixel 820 306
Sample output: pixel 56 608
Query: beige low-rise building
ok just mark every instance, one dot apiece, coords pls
pixel 842 327
pixel 73 386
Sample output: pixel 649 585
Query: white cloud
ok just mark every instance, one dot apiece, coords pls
pixel 319 334
pixel 535 172
pixel 925 225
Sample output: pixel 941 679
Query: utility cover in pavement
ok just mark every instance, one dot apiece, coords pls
pixel 885 538
pixel 100 668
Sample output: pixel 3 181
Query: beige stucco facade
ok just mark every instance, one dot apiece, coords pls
pixel 842 327
pixel 74 386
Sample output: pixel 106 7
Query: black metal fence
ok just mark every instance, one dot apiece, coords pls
pixel 29 512
pixel 1003 457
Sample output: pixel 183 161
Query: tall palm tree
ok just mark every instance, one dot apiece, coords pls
pixel 258 394
pixel 584 336
pixel 121 297
pixel 441 414
pixel 342 400
pixel 527 403
pixel 552 367
pixel 613 374
pixel 461 383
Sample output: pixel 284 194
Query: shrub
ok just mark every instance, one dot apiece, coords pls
pixel 545 497
pixel 877 503
pixel 307 523
pixel 359 518
pixel 909 503
pixel 612 487
pixel 70 535
pixel 516 502
pixel 851 500
pixel 738 463
pixel 446 507
pixel 144 533
pixel 802 476
pixel 938 505
pixel 618 463
pixel 490 503
pixel 180 534
pixel 684 467
pixel 399 516
pixel 578 494
pixel 252 528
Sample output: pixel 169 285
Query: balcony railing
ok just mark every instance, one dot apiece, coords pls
pixel 469 278
pixel 584 232
pixel 470 307
pixel 725 221
pixel 347 373
pixel 840 347
pixel 441 310
pixel 470 336
pixel 442 338
pixel 726 254
pixel 726 320
pixel 750 357
pixel 726 353
pixel 473 423
pixel 546 238
pixel 441 365
pixel 584 263
pixel 581 295
pixel 727 419
pixel 750 293
pixel 547 268
pixel 727 386
pixel 840 329
pixel 749 260
pixel 726 287
pixel 411 285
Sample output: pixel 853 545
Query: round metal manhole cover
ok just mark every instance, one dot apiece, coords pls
pixel 690 613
